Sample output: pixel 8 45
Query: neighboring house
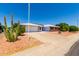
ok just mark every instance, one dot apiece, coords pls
pixel 50 27
pixel 30 27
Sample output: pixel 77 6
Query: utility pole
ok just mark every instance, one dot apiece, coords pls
pixel 28 20
pixel 28 15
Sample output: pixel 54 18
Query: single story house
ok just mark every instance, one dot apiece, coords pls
pixel 49 27
pixel 30 27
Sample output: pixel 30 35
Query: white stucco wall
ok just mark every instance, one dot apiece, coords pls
pixel 32 28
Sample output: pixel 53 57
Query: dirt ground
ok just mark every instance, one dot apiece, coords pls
pixel 54 44
pixel 46 44
pixel 7 48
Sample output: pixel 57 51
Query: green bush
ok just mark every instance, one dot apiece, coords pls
pixel 1 29
pixel 73 28
pixel 63 26
pixel 22 29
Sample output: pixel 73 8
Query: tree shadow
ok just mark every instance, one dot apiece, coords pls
pixel 74 50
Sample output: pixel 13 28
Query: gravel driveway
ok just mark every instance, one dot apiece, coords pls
pixel 54 44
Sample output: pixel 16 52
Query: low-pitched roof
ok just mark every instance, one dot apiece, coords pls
pixel 31 24
pixel 49 25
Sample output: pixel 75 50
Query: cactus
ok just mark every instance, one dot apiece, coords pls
pixel 19 32
pixel 10 34
pixel 17 29
pixel 6 31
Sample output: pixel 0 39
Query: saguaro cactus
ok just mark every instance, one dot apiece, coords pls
pixel 10 34
pixel 6 31
pixel 17 29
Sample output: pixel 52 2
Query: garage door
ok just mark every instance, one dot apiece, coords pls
pixel 32 29
pixel 46 28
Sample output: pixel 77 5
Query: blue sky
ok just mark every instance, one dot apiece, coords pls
pixel 41 13
pixel 19 11
pixel 54 13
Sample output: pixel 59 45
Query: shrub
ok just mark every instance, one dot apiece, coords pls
pixel 22 29
pixel 63 26
pixel 73 28
pixel 1 29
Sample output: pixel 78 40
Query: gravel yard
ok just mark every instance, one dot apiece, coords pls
pixel 7 48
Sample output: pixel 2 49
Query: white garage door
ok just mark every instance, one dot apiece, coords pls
pixel 32 29
pixel 46 28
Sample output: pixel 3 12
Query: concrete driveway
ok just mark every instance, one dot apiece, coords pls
pixel 54 44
